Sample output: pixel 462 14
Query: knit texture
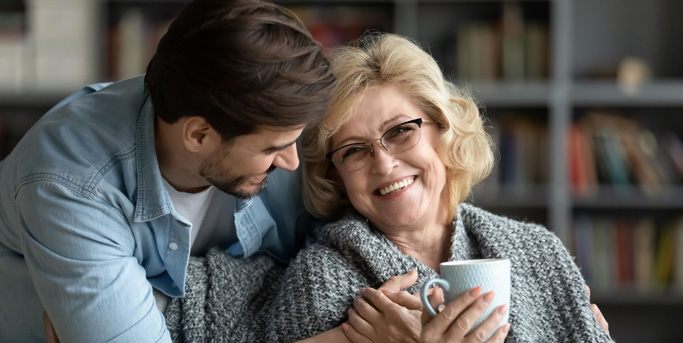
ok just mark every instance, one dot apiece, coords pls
pixel 226 299
pixel 231 300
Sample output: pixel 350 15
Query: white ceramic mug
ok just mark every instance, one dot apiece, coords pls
pixel 459 276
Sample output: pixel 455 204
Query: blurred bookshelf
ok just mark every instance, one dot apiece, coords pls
pixel 583 98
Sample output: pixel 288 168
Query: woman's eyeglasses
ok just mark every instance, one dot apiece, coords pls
pixel 399 138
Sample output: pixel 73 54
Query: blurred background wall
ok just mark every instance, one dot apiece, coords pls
pixel 584 100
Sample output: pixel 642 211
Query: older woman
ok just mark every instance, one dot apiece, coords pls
pixel 392 163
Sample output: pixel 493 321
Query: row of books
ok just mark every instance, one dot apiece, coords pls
pixel 334 25
pixel 522 150
pixel 630 255
pixel 607 148
pixel 47 45
pixel 508 49
pixel 133 39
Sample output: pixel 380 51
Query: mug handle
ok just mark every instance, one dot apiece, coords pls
pixel 423 293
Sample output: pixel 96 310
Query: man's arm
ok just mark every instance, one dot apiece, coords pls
pixel 79 253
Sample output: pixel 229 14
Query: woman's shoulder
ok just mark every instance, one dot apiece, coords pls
pixel 490 226
pixel 352 232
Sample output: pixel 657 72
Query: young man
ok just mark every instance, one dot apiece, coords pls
pixel 106 197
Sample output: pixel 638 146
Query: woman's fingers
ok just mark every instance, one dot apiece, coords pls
pixel 597 313
pixel 436 298
pixel 500 334
pixel 601 319
pixel 489 325
pixel 378 299
pixel 466 320
pixel 437 327
pixel 404 299
pixel 366 310
pixel 353 335
pixel 360 325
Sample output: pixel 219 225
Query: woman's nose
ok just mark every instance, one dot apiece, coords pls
pixel 382 161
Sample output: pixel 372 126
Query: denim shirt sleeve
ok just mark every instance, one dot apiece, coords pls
pixel 78 251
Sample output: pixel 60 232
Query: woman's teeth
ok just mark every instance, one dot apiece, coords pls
pixel 396 186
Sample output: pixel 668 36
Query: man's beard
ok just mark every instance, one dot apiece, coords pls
pixel 233 185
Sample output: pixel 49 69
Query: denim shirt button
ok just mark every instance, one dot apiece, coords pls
pixel 173 246
pixel 174 285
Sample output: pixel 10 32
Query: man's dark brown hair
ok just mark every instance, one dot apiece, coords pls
pixel 239 64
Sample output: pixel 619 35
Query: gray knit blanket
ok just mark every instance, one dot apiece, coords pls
pixel 256 300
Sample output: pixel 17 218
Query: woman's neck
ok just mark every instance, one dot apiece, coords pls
pixel 430 245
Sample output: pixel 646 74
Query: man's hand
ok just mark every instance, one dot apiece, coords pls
pixel 387 314
pixel 50 334
pixel 596 312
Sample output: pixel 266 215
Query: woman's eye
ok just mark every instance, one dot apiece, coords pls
pixel 401 130
pixel 352 151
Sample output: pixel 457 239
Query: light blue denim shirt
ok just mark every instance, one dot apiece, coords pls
pixel 87 227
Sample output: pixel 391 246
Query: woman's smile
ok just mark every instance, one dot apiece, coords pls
pixel 395 187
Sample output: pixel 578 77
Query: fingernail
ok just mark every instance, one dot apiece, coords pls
pixel 502 309
pixel 345 326
pixel 475 291
pixel 506 328
pixel 488 297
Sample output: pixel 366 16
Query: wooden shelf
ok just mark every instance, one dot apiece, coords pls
pixel 631 197
pixel 510 196
pixel 510 94
pixel 605 93
pixel 627 298
pixel 30 99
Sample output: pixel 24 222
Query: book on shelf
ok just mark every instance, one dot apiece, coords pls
pixel 132 43
pixel 335 24
pixel 623 252
pixel 522 144
pixel 12 65
pixel 627 254
pixel 62 34
pixel 508 48
pixel 513 41
pixel 643 254
pixel 536 51
pixel 583 243
pixel 621 152
pixel 581 162
pixel 665 255
pixel 678 256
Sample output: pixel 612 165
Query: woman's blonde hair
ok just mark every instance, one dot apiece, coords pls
pixel 380 59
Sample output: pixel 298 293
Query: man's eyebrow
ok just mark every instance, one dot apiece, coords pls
pixel 273 149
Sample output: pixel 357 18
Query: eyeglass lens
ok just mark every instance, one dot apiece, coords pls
pixel 398 139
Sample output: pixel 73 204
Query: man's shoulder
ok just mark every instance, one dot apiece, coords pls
pixel 81 138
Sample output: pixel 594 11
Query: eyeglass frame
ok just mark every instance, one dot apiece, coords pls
pixel 418 121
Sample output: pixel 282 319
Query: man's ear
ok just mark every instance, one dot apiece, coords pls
pixel 197 134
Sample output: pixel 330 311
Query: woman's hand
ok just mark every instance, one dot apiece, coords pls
pixel 454 322
pixel 376 318
pixel 396 316
pixel 596 312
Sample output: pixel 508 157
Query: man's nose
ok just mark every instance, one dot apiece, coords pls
pixel 287 159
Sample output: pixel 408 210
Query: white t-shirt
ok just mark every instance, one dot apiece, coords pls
pixel 212 215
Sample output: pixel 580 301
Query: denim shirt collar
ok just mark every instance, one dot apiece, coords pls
pixel 151 203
